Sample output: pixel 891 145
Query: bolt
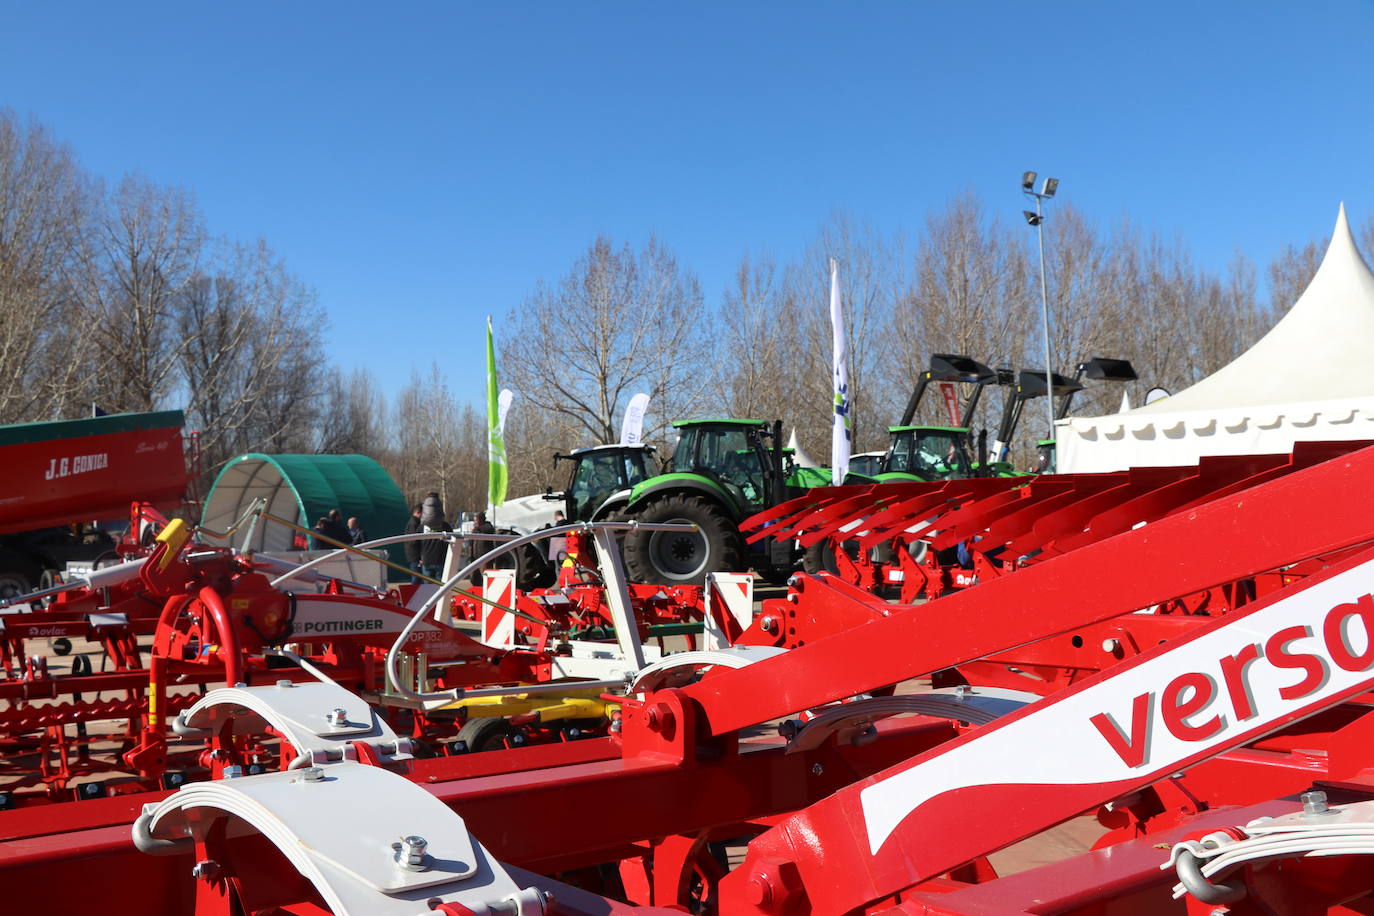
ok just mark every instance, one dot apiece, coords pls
pixel 312 774
pixel 337 716
pixel 615 727
pixel 963 690
pixel 205 869
pixel 1314 803
pixel 546 898
pixel 759 891
pixel 659 716
pixel 768 625
pixel 1110 645
pixel 792 597
pixel 285 683
pixel 410 852
pixel 233 772
pixel 817 768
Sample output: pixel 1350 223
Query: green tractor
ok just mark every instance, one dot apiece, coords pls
pixel 941 452
pixel 722 472
pixel 602 478
pixel 926 453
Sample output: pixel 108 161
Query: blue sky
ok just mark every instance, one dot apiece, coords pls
pixel 422 165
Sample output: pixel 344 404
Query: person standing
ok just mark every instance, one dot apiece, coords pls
pixel 434 550
pixel 478 546
pixel 335 528
pixel 320 532
pixel 414 548
pixel 356 534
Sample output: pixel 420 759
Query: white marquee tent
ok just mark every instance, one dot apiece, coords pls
pixel 1311 378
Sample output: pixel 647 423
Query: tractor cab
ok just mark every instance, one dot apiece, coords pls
pixel 927 453
pixel 603 472
pixel 732 453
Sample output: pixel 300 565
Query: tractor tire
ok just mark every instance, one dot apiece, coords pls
pixel 673 558
pixel 533 569
pixel 820 556
pixel 18 575
pixel 484 734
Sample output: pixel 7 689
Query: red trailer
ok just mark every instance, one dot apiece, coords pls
pixel 70 471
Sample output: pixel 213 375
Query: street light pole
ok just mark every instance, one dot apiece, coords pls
pixel 1045 319
pixel 1037 219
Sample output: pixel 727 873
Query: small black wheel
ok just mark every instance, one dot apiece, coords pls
pixel 484 734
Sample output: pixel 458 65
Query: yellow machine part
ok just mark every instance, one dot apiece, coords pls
pixel 548 707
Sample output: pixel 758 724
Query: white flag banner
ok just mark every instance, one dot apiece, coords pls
pixel 503 408
pixel 1125 402
pixel 841 432
pixel 632 427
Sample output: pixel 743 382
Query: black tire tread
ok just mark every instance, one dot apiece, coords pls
pixel 722 536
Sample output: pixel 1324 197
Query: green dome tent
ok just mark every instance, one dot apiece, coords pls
pixel 300 489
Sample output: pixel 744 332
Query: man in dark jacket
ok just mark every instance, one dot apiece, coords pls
pixel 334 527
pixel 413 548
pixel 434 550
pixel 477 546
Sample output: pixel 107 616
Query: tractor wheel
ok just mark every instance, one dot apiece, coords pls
pixel 484 734
pixel 682 558
pixel 533 570
pixel 820 556
pixel 18 576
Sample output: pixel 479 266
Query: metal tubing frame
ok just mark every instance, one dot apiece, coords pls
pixel 610 559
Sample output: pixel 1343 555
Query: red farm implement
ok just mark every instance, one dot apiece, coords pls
pixel 1226 761
pixel 924 540
pixel 214 617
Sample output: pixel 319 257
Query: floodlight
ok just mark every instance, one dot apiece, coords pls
pixel 1032 218
pixel 1050 186
pixel 1028 181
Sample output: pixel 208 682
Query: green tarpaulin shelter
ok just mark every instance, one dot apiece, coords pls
pixel 301 489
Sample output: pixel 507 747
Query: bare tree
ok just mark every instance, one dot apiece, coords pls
pixel 971 295
pixel 143 253
pixel 532 437
pixel 621 321
pixel 1289 273
pixel 250 355
pixel 869 281
pixel 353 416
pixel 439 446
pixel 756 326
pixel 44 207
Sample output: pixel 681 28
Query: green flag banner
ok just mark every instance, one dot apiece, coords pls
pixel 496 440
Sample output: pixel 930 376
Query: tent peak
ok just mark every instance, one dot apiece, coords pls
pixel 1342 256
